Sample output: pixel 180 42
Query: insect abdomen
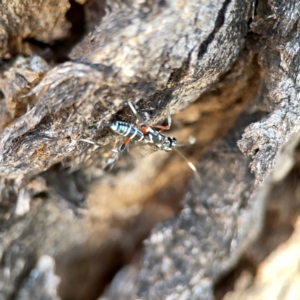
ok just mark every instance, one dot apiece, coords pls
pixel 125 129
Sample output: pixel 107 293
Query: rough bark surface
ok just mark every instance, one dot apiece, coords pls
pixel 280 58
pixel 76 95
pixel 44 21
pixel 225 68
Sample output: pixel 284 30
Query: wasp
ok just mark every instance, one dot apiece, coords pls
pixel 151 135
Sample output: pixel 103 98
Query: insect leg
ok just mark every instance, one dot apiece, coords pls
pixel 99 145
pixel 139 117
pixel 169 120
pixel 125 143
pixel 160 127
pixel 166 127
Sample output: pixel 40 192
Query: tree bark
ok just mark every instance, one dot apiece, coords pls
pixel 227 71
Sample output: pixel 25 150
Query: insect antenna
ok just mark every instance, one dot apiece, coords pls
pixel 139 117
pixel 99 145
pixel 191 165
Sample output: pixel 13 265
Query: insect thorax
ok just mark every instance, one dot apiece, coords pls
pixel 161 141
pixel 168 144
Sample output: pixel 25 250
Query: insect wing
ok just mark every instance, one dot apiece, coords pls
pixel 140 150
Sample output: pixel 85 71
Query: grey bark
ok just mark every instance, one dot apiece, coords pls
pixel 169 66
pixel 160 55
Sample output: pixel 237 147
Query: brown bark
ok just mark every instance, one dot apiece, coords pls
pixel 225 64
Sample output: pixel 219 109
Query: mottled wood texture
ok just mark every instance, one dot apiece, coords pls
pixel 165 64
pixel 205 62
pixel 44 21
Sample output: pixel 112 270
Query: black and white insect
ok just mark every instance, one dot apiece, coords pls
pixel 151 135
